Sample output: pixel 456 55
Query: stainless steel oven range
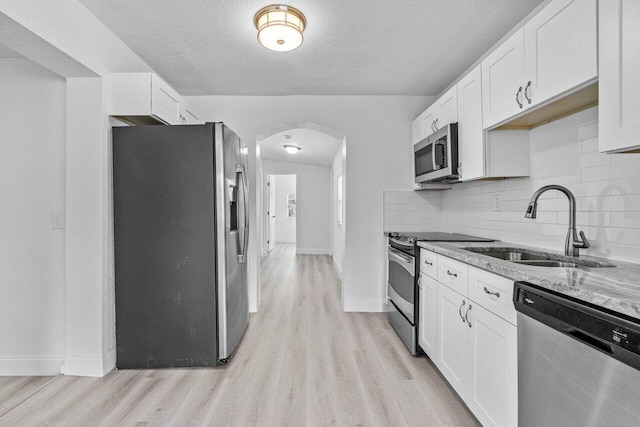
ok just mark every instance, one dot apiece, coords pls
pixel 402 288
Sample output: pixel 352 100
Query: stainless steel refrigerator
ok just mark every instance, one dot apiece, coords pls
pixel 181 234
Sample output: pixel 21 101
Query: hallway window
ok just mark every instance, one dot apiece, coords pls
pixel 291 205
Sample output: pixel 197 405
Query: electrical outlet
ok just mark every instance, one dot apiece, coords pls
pixel 57 220
pixel 496 202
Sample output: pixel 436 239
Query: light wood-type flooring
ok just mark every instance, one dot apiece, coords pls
pixel 302 361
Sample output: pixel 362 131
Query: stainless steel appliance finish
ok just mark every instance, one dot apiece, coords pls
pixel 181 230
pixel 578 365
pixel 436 156
pixel 573 243
pixel 401 292
pixel 402 288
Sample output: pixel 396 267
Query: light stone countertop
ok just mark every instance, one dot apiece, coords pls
pixel 615 288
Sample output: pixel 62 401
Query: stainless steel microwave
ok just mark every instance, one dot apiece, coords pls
pixel 436 156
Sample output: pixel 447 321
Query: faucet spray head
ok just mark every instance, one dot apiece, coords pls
pixel 531 210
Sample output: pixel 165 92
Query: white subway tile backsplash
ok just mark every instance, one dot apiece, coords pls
pixel 564 152
pixel 588 130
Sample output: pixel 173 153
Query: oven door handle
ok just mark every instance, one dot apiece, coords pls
pixel 404 260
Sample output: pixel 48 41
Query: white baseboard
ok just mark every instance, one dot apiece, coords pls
pixel 333 260
pixel 313 251
pixel 364 305
pixel 30 365
pixel 85 366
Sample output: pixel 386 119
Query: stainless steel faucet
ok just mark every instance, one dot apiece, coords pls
pixel 572 244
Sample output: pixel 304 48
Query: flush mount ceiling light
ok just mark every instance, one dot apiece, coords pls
pixel 291 149
pixel 280 27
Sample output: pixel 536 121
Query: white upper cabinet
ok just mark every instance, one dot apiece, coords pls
pixel 144 98
pixel 502 81
pixel 619 83
pixel 552 55
pixel 560 49
pixel 439 114
pixel 187 115
pixel 447 109
pixel 423 124
pixel 486 154
pixel 470 129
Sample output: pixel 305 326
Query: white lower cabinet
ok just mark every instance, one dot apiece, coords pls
pixel 475 349
pixel 452 339
pixel 427 319
pixel 492 386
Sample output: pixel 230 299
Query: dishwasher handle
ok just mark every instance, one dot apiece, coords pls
pixel 588 339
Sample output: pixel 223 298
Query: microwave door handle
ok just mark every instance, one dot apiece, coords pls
pixel 434 146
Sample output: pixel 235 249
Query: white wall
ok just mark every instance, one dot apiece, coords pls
pixel 338 230
pixel 313 188
pixel 378 135
pixel 285 227
pixel 32 185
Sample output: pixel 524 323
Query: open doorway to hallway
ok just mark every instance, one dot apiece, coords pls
pixel 319 165
pixel 281 209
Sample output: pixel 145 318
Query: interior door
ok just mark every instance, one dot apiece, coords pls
pixel 271 209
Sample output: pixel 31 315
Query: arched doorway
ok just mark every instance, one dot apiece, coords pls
pixel 320 169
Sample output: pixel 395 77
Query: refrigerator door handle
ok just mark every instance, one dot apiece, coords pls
pixel 242 250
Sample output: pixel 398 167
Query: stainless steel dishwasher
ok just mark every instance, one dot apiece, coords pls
pixel 578 364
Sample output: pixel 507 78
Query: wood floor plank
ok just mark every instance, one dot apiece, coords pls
pixel 302 361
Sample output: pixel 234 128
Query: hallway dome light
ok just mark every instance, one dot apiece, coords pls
pixel 291 149
pixel 280 27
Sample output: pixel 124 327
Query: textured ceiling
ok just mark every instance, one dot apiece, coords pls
pixel 360 47
pixel 317 148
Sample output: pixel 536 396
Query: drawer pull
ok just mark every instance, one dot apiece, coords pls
pixel 428 262
pixel 452 274
pixel 496 293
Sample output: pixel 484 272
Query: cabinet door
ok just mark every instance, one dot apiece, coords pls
pixel 447 108
pixel 560 49
pixel 426 122
pixel 164 101
pixel 428 319
pixel 471 153
pixel 502 81
pixel 619 85
pixel 452 338
pixel 493 368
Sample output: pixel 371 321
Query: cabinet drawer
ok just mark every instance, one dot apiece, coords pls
pixel 429 263
pixel 492 292
pixel 454 274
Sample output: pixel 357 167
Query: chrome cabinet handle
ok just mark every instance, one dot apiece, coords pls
pixel 428 262
pixel 466 315
pixel 496 293
pixel 436 122
pixel 433 123
pixel 528 88
pixel 452 274
pixel 518 97
pixel 460 310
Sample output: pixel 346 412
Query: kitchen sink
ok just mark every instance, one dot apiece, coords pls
pixel 536 258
